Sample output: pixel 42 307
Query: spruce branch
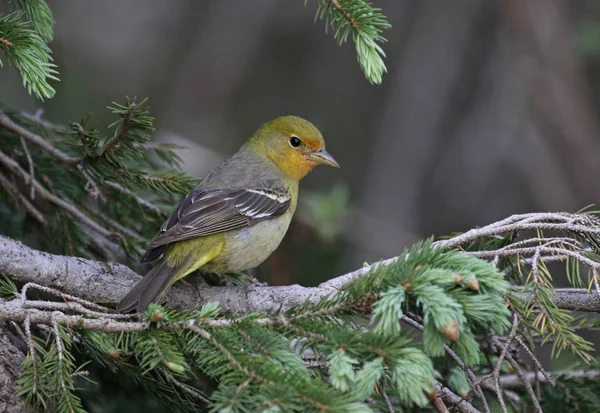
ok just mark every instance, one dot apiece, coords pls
pixel 25 133
pixel 20 199
pixel 286 310
pixel 475 385
pixel 515 365
pixel 68 207
pixel 366 24
pixel 41 17
pixel 454 400
pixel 87 177
pixel 134 196
pixel 28 51
pixel 107 282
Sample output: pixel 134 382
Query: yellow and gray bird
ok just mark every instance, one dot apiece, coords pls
pixel 238 214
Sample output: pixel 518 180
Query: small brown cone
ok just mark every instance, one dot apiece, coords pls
pixel 451 331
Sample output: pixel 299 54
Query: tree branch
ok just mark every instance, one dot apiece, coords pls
pixel 108 282
pixel 15 168
pixel 38 140
pixel 513 381
pixel 11 358
pixel 454 400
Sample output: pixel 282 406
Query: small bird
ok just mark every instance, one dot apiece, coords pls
pixel 238 214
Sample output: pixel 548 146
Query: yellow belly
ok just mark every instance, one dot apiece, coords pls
pixel 230 251
pixel 249 247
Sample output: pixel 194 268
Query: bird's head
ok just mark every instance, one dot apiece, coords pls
pixel 295 145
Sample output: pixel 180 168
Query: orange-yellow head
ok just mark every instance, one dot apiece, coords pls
pixel 295 145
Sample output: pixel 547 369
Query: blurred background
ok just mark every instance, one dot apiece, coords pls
pixel 489 108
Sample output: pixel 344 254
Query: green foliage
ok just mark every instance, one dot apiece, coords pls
pixel 8 289
pixel 366 24
pixel 553 324
pixel 457 380
pixel 47 377
pixel 24 34
pixel 114 179
pixel 40 15
pixel 571 394
pixel 338 355
pixel 449 289
pixel 258 363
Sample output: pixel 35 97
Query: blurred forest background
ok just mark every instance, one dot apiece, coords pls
pixel 489 108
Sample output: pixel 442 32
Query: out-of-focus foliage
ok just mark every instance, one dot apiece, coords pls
pixel 24 34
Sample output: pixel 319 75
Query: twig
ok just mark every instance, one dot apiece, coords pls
pixel 116 140
pixel 32 352
pixel 90 186
pixel 347 14
pixel 513 381
pixel 536 403
pixel 74 307
pixel 468 372
pixel 44 193
pixel 20 198
pixel 544 221
pixel 536 250
pixel 38 140
pixel 228 355
pixel 59 294
pixel 560 221
pixel 388 402
pixel 123 230
pixel 133 195
pixel 60 352
pixel 454 400
pixel 535 360
pixel 496 371
pixel 186 389
pixel 595 280
pixel 37 118
pixel 31 170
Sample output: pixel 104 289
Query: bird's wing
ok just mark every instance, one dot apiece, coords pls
pixel 213 211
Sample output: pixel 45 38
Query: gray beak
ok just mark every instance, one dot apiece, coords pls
pixel 323 157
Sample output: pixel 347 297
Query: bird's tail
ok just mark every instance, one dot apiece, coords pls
pixel 149 289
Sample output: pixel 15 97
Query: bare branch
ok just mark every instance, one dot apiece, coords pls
pixel 517 368
pixel 38 140
pixel 108 282
pixel 31 167
pixel 454 400
pixel 134 196
pixel 71 209
pixel 512 381
pixel 22 199
pixel 10 370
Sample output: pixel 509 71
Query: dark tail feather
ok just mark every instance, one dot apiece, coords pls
pixel 148 289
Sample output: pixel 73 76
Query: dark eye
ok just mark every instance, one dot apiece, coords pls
pixel 295 141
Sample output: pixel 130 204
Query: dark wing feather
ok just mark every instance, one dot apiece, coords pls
pixel 210 212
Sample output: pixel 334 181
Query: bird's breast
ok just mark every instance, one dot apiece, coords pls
pixel 248 247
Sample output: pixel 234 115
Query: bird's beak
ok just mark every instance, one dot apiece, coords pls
pixel 324 158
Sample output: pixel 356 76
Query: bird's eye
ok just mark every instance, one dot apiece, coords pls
pixel 295 141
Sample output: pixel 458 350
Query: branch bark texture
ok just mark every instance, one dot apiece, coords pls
pixel 108 282
pixel 11 358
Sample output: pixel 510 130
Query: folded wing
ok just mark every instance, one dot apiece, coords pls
pixel 210 212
